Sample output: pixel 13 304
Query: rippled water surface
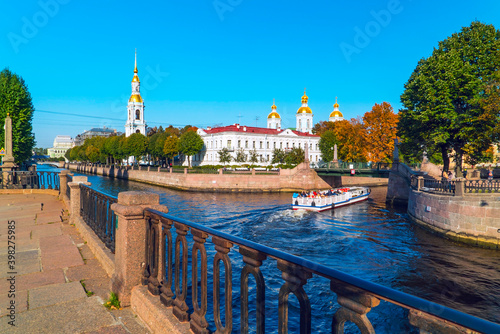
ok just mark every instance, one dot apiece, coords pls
pixel 367 240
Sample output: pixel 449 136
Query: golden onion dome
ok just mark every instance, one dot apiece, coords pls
pixel 304 97
pixel 336 105
pixel 135 78
pixel 274 107
pixel 274 114
pixel 304 110
pixel 336 113
pixel 135 98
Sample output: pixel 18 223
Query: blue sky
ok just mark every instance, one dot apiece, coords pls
pixel 209 62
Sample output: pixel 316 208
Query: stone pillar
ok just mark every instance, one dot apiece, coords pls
pixel 63 183
pixel 74 186
pixel 8 159
pixel 130 242
pixel 460 187
pixel 335 158
pixel 395 155
pixel 420 182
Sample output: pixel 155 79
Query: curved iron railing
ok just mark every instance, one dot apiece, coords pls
pixel 96 212
pixel 166 271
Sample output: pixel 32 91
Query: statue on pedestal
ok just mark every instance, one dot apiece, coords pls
pixel 8 160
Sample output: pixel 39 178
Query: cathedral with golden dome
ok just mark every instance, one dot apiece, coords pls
pixel 135 107
pixel 263 141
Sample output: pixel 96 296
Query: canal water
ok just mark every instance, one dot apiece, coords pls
pixel 367 240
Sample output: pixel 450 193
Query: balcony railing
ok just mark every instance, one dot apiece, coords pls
pixel 96 212
pixel 166 274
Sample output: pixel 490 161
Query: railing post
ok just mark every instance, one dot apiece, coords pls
pixel 63 183
pixel 355 304
pixel 74 186
pixel 460 187
pixel 420 182
pixel 130 244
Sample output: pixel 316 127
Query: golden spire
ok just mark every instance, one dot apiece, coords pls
pixel 274 106
pixel 136 77
pixel 135 67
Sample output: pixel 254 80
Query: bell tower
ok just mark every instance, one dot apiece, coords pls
pixel 135 119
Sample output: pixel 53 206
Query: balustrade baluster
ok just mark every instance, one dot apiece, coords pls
pixel 180 306
pixel 355 304
pixel 295 278
pixel 167 294
pixel 198 323
pixel 253 260
pixel 223 246
pixel 154 242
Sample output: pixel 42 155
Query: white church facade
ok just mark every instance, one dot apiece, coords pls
pixel 238 137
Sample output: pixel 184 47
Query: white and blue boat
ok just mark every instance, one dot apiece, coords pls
pixel 331 199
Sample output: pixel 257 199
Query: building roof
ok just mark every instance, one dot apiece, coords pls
pixel 252 129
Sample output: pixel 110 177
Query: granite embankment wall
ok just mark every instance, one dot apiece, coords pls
pixel 297 179
pixel 472 219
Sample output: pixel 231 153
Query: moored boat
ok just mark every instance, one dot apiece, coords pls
pixel 330 199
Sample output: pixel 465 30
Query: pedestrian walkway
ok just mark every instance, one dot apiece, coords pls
pixel 52 282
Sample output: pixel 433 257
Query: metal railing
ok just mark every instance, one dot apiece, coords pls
pixel 482 186
pixel 443 186
pixel 96 212
pixel 166 275
pixel 29 180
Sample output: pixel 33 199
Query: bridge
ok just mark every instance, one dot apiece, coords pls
pixel 379 169
pixel 58 164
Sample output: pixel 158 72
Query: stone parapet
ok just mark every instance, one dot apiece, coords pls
pixel 472 219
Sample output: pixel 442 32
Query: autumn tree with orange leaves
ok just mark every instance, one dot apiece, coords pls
pixel 379 131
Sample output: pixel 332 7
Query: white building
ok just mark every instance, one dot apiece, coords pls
pixel 238 137
pixel 60 146
pixel 135 107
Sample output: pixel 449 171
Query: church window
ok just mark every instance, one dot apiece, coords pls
pixel 300 124
pixel 137 131
pixel 137 114
pixel 307 124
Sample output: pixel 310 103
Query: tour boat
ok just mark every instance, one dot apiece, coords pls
pixel 328 200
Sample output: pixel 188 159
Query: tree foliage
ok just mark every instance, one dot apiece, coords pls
pixel 278 156
pixel 240 155
pixel 135 145
pixel 190 143
pixel 253 156
pixel 449 102
pixel 171 146
pixel 327 143
pixel 15 99
pixel 380 127
pixel 224 155
pixel 295 156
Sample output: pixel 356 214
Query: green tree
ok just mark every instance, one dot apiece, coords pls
pixel 240 155
pixel 15 100
pixel 190 143
pixel 278 156
pixel 171 146
pixel 295 156
pixel 224 155
pixel 444 99
pixel 135 145
pixel 253 156
pixel 327 142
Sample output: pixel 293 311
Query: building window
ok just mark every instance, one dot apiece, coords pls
pixel 300 125
pixel 253 144
pixel 281 145
pixel 239 143
pixel 307 124
pixel 311 146
pixel 299 145
pixel 229 143
pixel 267 145
pixel 293 145
pixel 137 114
pixel 261 145
pixel 246 143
